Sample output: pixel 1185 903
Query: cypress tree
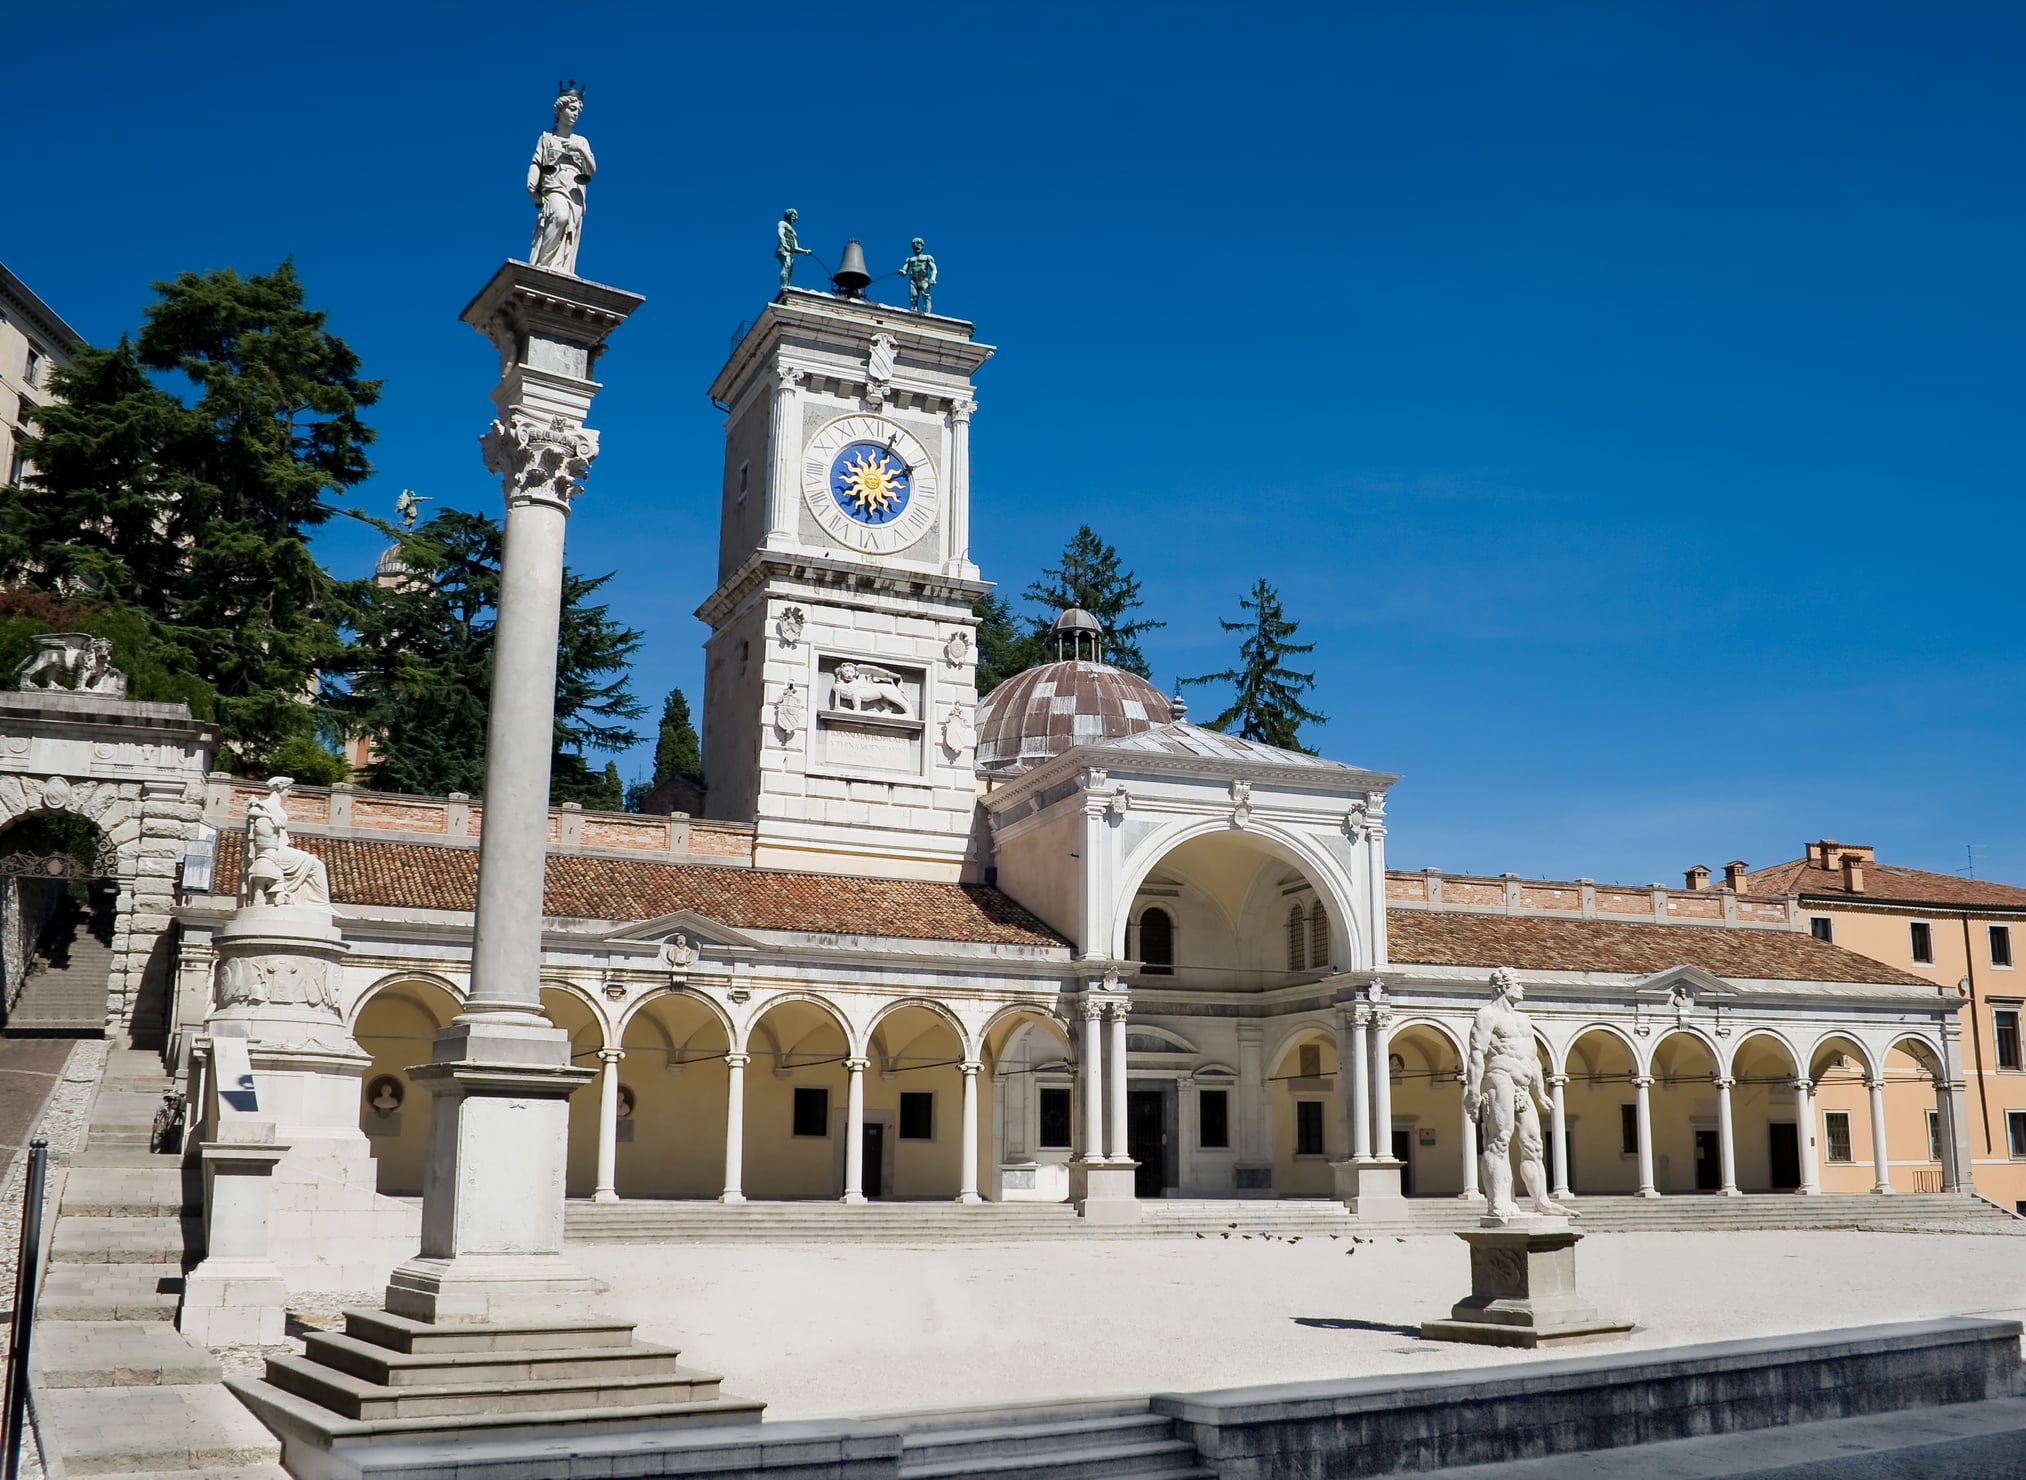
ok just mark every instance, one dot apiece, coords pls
pixel 1092 577
pixel 1266 704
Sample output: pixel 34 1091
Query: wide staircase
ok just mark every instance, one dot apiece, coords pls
pixel 1910 1212
pixel 655 1222
pixel 63 993
pixel 1056 1441
pixel 119 1391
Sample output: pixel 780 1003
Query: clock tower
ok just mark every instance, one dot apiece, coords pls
pixel 840 681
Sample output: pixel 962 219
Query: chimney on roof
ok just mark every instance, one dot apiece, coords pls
pixel 1853 870
pixel 1697 877
pixel 1736 876
pixel 1815 852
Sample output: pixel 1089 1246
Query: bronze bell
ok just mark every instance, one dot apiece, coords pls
pixel 851 278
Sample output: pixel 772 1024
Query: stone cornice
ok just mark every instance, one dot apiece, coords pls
pixel 837 573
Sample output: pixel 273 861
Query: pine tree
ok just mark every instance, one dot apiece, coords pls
pixel 677 751
pixel 417 676
pixel 197 516
pixel 1266 705
pixel 1003 649
pixel 1090 577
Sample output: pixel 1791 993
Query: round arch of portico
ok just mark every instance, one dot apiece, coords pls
pixel 1293 1031
pixel 1459 1043
pixel 598 1014
pixel 688 994
pixel 965 1047
pixel 1772 1035
pixel 1871 1057
pixel 398 979
pixel 1558 1055
pixel 853 1048
pixel 1921 1049
pixel 1034 1011
pixel 1688 1030
pixel 1323 871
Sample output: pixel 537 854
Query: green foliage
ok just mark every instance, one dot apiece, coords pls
pixel 137 652
pixel 195 517
pixel 417 676
pixel 1003 649
pixel 1091 577
pixel 309 762
pixel 677 751
pixel 1266 704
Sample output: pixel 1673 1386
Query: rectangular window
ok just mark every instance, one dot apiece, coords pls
pixel 1934 1137
pixel 744 469
pixel 32 372
pixel 2015 1132
pixel 1923 942
pixel 1308 1127
pixel 1628 1129
pixel 917 1115
pixel 2005 1025
pixel 1055 1117
pixel 1836 1131
pixel 1822 928
pixel 812 1112
pixel 1213 1112
pixel 2001 945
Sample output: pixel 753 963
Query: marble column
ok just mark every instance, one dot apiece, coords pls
pixel 854 1130
pixel 1093 1081
pixel 784 481
pixel 958 498
pixel 501 1075
pixel 1382 1087
pixel 735 1128
pixel 967 1159
pixel 1115 1076
pixel 1558 1085
pixel 1878 1154
pixel 1469 1139
pixel 1804 1132
pixel 1347 1082
pixel 1359 1074
pixel 607 1189
pixel 1641 1083
pixel 1726 1137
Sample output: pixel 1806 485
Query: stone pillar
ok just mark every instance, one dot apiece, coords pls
pixel 967 1159
pixel 1115 1077
pixel 1804 1132
pixel 1641 1083
pixel 958 498
pixel 236 1296
pixel 1357 1073
pixel 1558 1084
pixel 1878 1156
pixel 1093 1081
pixel 1958 1169
pixel 1726 1138
pixel 607 1189
pixel 1469 1140
pixel 492 1197
pixel 783 476
pixel 854 1130
pixel 1382 1087
pixel 735 1128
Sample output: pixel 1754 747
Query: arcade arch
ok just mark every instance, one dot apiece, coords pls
pixel 1034 1105
pixel 1765 1127
pixel 795 1100
pixel 1685 1118
pixel 1427 1071
pixel 574 1014
pixel 1302 1105
pixel 1601 1113
pixel 673 1084
pixel 397 1021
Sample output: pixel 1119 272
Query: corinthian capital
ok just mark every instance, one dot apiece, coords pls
pixel 539 461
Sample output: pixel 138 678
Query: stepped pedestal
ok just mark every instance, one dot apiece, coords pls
pixel 1523 1289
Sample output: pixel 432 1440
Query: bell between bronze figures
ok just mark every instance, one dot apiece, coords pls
pixel 851 277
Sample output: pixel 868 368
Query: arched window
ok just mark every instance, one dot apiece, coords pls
pixel 1157 942
pixel 1297 939
pixel 1319 938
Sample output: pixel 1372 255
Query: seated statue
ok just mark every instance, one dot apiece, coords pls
pixel 278 872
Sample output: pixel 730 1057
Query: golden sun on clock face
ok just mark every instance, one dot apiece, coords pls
pixel 871 484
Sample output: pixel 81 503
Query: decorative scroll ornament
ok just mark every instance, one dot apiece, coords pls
pixel 791 625
pixel 879 369
pixel 958 649
pixel 545 461
pixel 960 733
pixel 1241 803
pixel 1121 801
pixel 82 663
pixel 791 712
pixel 58 794
pixel 275 981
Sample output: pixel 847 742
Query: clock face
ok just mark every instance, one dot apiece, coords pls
pixel 870 483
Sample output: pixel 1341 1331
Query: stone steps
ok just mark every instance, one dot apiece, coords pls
pixel 655 1381
pixel 150 1430
pixel 689 1222
pixel 106 1354
pixel 67 1001
pixel 147 1191
pixel 111 1292
pixel 1060 1442
pixel 1917 1212
pixel 109 1240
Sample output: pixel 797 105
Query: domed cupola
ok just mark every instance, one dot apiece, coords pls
pixel 1073 701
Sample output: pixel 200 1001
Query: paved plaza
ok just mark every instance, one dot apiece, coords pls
pixel 834 1331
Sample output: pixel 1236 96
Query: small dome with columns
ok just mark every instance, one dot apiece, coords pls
pixel 1059 706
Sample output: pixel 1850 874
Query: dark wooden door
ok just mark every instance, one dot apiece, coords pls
pixel 1709 1172
pixel 1403 1152
pixel 1146 1141
pixel 1786 1156
pixel 875 1159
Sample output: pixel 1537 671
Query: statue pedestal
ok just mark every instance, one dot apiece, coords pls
pixel 1523 1289
pixel 236 1297
pixel 1371 1189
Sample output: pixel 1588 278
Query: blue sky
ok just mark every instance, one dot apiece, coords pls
pixel 1625 398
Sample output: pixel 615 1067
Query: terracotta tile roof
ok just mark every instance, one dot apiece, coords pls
pixel 1435 938
pixel 1887 884
pixel 422 876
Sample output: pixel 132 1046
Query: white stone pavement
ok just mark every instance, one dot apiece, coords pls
pixel 820 1332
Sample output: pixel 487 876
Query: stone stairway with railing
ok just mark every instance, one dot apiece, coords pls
pixel 119 1392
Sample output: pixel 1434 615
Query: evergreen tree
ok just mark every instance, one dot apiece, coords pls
pixel 418 674
pixel 196 517
pixel 677 751
pixel 1003 649
pixel 1266 705
pixel 1090 577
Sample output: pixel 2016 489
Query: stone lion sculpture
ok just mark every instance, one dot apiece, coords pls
pixel 79 661
pixel 860 684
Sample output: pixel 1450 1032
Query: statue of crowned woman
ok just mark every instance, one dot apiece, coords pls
pixel 557 175
pixel 278 872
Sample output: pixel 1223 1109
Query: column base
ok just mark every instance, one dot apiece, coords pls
pixel 1523 1290
pixel 1103 1191
pixel 1647 1192
pixel 605 1194
pixel 968 1198
pixel 1884 1190
pixel 492 1290
pixel 731 1195
pixel 853 1198
pixel 1369 1188
pixel 1469 1194
pixel 1729 1192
